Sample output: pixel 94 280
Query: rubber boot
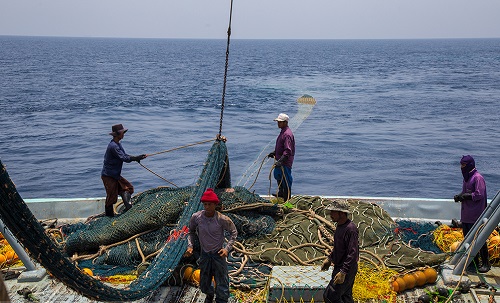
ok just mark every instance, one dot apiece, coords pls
pixel 109 210
pixel 485 266
pixel 126 200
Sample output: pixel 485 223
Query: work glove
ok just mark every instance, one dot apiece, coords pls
pixel 138 158
pixel 457 198
pixel 279 163
pixel 465 196
pixel 271 155
pixel 326 264
pixel 339 278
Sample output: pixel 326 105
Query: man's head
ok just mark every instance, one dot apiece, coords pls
pixel 338 210
pixel 118 130
pixel 210 201
pixel 282 120
pixel 467 164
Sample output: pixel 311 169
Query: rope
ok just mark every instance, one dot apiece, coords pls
pixel 225 68
pixel 157 174
pixel 176 148
pixel 169 150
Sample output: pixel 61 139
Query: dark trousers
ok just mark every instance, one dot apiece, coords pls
pixel 340 293
pixel 283 176
pixel 213 265
pixel 113 189
pixel 483 252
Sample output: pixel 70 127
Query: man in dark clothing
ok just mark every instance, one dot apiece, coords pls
pixel 344 255
pixel 111 177
pixel 473 198
pixel 284 152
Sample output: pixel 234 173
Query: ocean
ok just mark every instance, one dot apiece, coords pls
pixel 392 119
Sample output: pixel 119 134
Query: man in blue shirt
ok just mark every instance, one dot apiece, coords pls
pixel 111 177
pixel 284 153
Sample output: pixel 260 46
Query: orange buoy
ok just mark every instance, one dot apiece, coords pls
pixel 395 286
pixel 430 274
pixel 401 284
pixel 196 276
pixel 420 278
pixel 410 281
pixel 188 272
pixel 88 271
pixel 3 259
pixel 454 246
pixel 9 255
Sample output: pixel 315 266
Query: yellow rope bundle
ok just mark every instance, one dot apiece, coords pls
pixel 445 236
pixel 373 283
pixel 494 246
pixel 257 295
pixel 119 279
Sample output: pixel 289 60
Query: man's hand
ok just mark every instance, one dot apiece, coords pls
pixel 271 155
pixel 339 278
pixel 326 264
pixel 465 196
pixel 138 158
pixel 457 198
pixel 222 252
pixel 189 252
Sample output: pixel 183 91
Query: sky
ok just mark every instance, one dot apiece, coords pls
pixel 253 19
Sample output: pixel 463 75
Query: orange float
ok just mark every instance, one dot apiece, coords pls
pixel 399 284
pixel 188 272
pixel 9 255
pixel 420 278
pixel 196 276
pixel 430 274
pixel 410 281
pixel 3 259
pixel 88 271
pixel 454 246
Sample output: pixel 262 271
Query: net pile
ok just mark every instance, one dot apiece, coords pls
pixel 18 218
pixel 303 237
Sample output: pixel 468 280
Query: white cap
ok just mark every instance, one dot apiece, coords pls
pixel 282 117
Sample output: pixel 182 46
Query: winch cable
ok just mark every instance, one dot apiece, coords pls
pixel 225 70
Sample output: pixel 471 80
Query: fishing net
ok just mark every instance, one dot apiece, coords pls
pixel 418 235
pixel 18 218
pixel 304 237
pixel 305 106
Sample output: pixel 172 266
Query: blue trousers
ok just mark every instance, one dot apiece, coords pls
pixel 283 176
pixel 212 265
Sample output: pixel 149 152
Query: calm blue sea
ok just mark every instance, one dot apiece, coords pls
pixel 393 117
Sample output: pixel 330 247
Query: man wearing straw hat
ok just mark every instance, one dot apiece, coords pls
pixel 111 177
pixel 344 255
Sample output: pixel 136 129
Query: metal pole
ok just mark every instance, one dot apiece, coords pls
pixel 492 207
pixel 490 219
pixel 21 253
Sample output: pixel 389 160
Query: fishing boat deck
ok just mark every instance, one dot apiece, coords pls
pixel 483 290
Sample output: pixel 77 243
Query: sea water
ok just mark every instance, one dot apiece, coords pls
pixel 392 119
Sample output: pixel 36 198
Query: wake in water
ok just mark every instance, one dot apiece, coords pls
pixel 306 104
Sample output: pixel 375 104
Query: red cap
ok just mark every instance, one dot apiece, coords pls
pixel 210 196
